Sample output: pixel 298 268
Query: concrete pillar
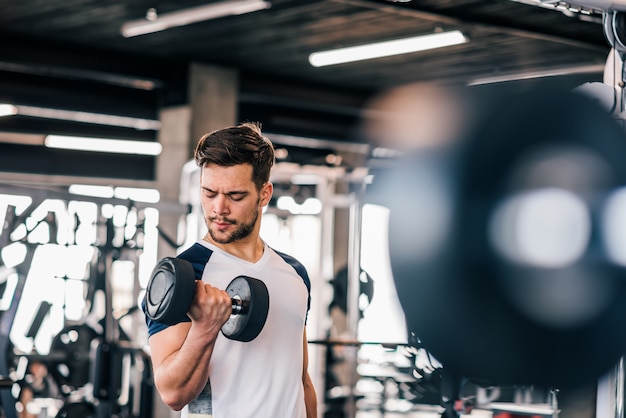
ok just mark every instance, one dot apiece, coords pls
pixel 174 138
pixel 213 98
pixel 212 105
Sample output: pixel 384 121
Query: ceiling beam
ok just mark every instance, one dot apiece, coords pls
pixel 484 23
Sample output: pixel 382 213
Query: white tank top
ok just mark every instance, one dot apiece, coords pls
pixel 263 377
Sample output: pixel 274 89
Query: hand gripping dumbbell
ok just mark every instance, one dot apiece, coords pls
pixel 171 290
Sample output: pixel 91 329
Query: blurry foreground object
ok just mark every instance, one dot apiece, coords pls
pixel 508 243
pixel 414 116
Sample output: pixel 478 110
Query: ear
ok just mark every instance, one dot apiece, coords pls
pixel 266 193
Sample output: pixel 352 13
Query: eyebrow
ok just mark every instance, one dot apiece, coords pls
pixel 243 192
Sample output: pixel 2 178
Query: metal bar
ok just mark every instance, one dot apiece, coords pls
pixel 352 305
pixel 619 389
pixel 39 194
pixel 6 322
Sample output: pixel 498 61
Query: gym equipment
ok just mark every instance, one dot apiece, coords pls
pixel 69 356
pixel 97 368
pixel 8 364
pixel 77 410
pixel 171 289
pixel 490 300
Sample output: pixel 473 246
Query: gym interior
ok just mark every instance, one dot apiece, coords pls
pixel 460 211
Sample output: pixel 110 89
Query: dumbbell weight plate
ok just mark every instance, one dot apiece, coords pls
pixel 170 290
pixel 254 298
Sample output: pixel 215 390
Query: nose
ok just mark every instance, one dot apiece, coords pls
pixel 220 204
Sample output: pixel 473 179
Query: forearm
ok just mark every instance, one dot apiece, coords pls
pixel 181 353
pixel 310 397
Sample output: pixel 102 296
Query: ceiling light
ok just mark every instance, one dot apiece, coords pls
pixel 20 138
pixel 387 48
pixel 117 146
pixel 79 116
pixel 7 110
pixel 192 15
pixel 528 75
pixel 87 117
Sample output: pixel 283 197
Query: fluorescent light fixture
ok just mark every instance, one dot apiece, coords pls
pixel 387 48
pixel 87 117
pixel 192 15
pixel 7 110
pixel 78 116
pixel 20 138
pixel 552 72
pixel 116 146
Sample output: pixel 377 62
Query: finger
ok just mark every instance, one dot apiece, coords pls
pixel 220 300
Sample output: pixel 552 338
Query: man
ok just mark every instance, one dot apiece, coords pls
pixel 38 392
pixel 196 368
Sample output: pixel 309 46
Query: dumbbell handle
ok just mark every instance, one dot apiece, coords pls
pixel 238 306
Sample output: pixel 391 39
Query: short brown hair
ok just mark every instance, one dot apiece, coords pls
pixel 240 144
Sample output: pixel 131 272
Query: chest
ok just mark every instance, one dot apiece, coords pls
pixel 288 293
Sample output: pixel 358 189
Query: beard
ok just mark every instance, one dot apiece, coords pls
pixel 241 231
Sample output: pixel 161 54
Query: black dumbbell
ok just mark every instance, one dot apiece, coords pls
pixel 171 289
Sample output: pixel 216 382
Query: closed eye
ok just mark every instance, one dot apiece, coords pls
pixel 236 196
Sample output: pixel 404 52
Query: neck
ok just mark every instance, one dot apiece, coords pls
pixel 250 250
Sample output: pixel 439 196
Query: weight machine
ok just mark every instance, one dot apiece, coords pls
pixel 100 370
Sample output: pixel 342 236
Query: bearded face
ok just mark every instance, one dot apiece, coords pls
pixel 231 202
pixel 225 230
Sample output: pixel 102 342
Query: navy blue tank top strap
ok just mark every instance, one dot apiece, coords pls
pixel 198 255
pixel 301 270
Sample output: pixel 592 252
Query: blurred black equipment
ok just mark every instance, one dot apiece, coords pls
pixel 507 250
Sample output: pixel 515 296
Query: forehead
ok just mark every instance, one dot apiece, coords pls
pixel 236 177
